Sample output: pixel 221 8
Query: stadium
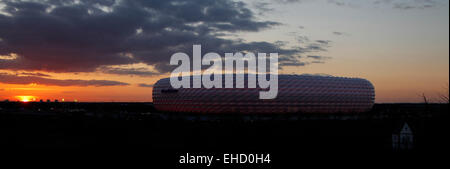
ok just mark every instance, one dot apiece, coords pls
pixel 296 94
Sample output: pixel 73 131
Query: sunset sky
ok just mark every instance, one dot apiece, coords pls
pixel 110 50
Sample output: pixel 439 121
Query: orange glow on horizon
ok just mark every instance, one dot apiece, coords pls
pixel 388 88
pixel 26 98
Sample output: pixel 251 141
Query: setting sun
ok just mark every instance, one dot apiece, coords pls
pixel 26 98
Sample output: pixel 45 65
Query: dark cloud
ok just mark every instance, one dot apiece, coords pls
pixel 339 2
pixel 128 71
pixel 293 63
pixel 15 79
pixel 145 85
pixel 325 42
pixel 317 47
pixel 85 35
pixel 288 1
pixel 317 61
pixel 34 74
pixel 340 33
pixel 313 59
pixel 302 39
pixel 316 57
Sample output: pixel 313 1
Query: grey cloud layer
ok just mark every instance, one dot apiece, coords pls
pixel 34 74
pixel 145 85
pixel 65 36
pixel 128 71
pixel 15 79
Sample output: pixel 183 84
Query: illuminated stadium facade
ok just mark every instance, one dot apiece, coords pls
pixel 296 94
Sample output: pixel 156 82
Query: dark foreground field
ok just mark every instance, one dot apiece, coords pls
pixel 117 132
